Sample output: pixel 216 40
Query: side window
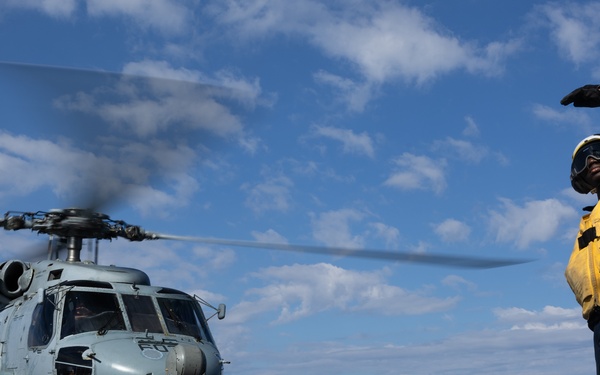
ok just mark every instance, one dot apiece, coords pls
pixel 142 314
pixel 42 323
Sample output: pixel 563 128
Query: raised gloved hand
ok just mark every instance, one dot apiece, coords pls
pixel 585 96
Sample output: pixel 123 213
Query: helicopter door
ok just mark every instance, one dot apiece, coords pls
pixel 16 356
pixel 9 355
pixel 41 331
pixel 42 323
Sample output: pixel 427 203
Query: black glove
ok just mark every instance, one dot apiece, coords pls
pixel 585 96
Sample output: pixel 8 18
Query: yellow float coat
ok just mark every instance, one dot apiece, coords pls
pixel 583 270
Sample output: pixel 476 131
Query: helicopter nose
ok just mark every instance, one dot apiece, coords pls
pixel 186 360
pixel 127 357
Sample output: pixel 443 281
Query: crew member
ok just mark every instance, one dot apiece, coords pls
pixel 583 269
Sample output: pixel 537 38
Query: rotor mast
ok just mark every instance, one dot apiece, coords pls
pixel 74 245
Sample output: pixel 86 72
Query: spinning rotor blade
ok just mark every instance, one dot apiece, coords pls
pixel 119 135
pixel 433 259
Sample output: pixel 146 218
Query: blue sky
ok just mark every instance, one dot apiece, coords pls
pixel 431 127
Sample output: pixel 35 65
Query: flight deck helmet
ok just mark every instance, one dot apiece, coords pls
pixel 588 147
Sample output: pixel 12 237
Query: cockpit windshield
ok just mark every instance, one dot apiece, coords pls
pixel 183 318
pixel 142 314
pixel 90 311
pixel 86 311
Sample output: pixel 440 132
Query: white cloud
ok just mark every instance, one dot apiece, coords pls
pixel 344 228
pixel 389 234
pixel 417 172
pixel 27 164
pixel 383 41
pixel 575 29
pixel 352 143
pixel 333 228
pixel 162 69
pixel 535 221
pixel 549 318
pixel 116 171
pixel 471 130
pixel 225 83
pixel 152 98
pixel 393 41
pixel 270 236
pixel 214 257
pixel 173 264
pixel 53 8
pixel 457 282
pixel 353 94
pixel 569 118
pixel 150 106
pixel 167 16
pixel 298 291
pixel 452 230
pixel 273 194
pixel 461 149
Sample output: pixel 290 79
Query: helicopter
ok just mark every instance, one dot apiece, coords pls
pixel 73 316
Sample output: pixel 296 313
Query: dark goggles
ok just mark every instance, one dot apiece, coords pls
pixel 581 157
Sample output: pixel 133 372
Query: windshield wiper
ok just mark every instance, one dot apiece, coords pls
pixel 103 330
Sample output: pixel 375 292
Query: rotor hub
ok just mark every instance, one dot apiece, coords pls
pixel 72 225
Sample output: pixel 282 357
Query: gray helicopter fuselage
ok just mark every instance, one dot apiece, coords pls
pixel 79 318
